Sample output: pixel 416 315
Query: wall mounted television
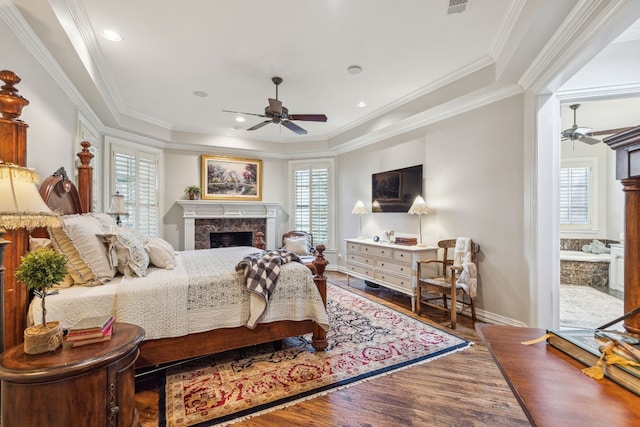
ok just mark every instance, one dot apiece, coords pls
pixel 395 190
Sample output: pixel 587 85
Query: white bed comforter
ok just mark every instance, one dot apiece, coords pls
pixel 203 292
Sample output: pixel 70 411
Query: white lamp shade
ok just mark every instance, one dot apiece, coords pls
pixel 419 207
pixel 359 208
pixel 117 205
pixel 21 205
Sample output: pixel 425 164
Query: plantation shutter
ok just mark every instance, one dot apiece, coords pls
pixel 574 195
pixel 134 176
pixel 311 200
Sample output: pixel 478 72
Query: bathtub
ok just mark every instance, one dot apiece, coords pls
pixel 584 256
pixel 585 269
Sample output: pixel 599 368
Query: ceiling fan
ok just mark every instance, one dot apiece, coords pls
pixel 278 114
pixel 585 134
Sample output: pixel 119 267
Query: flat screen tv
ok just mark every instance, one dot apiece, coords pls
pixel 395 190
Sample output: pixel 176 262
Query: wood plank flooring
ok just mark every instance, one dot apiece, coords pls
pixel 461 389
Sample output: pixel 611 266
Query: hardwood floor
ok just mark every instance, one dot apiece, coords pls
pixel 461 389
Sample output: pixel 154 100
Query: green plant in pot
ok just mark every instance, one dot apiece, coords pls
pixel 193 191
pixel 39 271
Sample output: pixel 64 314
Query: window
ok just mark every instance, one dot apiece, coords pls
pixel 134 175
pixel 312 190
pixel 577 194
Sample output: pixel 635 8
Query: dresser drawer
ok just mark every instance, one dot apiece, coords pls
pixel 362 270
pixel 401 255
pixel 353 247
pixel 400 268
pixel 401 282
pixel 376 251
pixel 360 259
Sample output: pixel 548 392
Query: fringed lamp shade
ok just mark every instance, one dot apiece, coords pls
pixel 118 207
pixel 20 203
pixel 419 207
pixel 359 209
pixel 20 207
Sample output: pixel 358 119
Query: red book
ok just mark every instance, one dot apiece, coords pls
pixel 105 337
pixel 75 334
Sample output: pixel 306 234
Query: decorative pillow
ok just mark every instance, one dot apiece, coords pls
pixel 87 258
pixel 107 222
pixel 161 253
pixel 130 257
pixel 297 245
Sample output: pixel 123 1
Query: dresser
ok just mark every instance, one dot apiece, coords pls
pixel 387 264
pixel 92 385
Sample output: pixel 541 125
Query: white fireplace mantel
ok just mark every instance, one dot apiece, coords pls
pixel 197 209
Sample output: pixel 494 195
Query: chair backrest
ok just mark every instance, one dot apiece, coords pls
pixel 297 234
pixel 450 244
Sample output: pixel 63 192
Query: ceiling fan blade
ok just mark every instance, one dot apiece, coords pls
pixel 589 140
pixel 259 125
pixel 294 127
pixel 609 131
pixel 275 106
pixel 308 117
pixel 240 112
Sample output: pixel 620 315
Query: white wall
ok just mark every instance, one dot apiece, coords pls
pixel 51 115
pixel 473 180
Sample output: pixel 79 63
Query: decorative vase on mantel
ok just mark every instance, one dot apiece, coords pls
pixel 40 270
pixel 193 191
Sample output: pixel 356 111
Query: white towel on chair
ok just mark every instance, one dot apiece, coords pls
pixel 468 279
pixel 462 251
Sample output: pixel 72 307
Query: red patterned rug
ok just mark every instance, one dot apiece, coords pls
pixel 366 339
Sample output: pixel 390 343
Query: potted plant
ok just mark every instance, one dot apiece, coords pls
pixel 39 271
pixel 193 191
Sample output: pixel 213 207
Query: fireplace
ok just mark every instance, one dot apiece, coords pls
pixel 229 239
pixel 203 217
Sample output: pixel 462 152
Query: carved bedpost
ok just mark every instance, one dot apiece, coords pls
pixel 319 340
pixel 85 177
pixel 13 149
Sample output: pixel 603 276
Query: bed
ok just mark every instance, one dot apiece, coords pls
pixel 199 329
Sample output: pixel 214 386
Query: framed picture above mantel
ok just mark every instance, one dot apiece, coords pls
pixel 231 178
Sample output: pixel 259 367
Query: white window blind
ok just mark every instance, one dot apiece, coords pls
pixel 575 191
pixel 134 176
pixel 311 195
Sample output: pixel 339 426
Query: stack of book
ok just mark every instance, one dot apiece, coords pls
pixel 582 345
pixel 407 241
pixel 90 330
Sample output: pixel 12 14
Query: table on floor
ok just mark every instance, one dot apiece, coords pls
pixel 549 385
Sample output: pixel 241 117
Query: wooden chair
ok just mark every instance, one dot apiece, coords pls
pixel 310 255
pixel 442 288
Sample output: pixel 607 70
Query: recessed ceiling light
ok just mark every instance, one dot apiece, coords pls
pixel 354 69
pixel 112 35
pixel 200 93
pixel 362 104
pixel 240 119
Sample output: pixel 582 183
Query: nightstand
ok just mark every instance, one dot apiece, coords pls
pixel 91 385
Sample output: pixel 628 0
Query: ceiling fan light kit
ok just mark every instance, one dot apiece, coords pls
pixel 582 133
pixel 277 114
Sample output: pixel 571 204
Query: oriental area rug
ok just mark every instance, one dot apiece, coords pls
pixel 366 339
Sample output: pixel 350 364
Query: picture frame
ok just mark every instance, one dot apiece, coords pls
pixel 231 178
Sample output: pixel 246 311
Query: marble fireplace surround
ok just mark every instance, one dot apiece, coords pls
pixel 228 210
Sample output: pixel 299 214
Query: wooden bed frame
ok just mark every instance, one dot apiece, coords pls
pixel 61 194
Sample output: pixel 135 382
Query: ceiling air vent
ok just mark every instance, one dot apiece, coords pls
pixel 457 6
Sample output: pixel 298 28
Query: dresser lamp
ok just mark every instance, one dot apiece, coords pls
pixel 359 209
pixel 419 207
pixel 118 207
pixel 21 206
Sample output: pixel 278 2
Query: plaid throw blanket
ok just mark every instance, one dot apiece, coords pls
pixel 261 272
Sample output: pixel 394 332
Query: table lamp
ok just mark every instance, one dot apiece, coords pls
pixel 21 206
pixel 118 207
pixel 359 209
pixel 419 207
